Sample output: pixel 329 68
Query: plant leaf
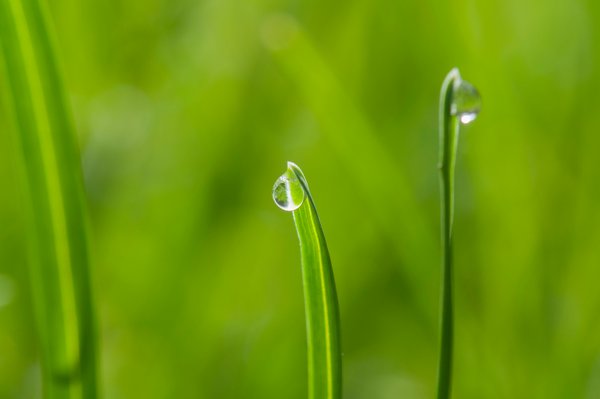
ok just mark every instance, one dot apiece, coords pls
pixel 459 103
pixel 59 266
pixel 321 304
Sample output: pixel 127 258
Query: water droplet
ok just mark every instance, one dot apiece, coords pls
pixel 466 101
pixel 288 193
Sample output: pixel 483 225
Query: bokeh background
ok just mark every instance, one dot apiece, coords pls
pixel 187 112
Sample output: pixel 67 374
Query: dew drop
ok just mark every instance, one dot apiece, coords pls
pixel 288 193
pixel 466 102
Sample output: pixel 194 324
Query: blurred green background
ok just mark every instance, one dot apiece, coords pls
pixel 187 112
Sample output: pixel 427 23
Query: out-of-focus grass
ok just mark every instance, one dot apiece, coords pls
pixel 186 113
pixel 57 220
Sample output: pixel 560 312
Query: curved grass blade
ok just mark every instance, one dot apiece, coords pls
pixel 59 263
pixel 459 103
pixel 291 193
pixel 354 142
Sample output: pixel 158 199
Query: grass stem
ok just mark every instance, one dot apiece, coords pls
pixel 291 193
pixel 459 103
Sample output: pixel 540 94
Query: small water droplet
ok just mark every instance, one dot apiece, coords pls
pixel 288 193
pixel 466 102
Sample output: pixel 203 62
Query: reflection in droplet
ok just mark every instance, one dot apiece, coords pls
pixel 468 117
pixel 288 193
pixel 466 101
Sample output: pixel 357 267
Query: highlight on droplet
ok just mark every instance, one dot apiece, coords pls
pixel 288 192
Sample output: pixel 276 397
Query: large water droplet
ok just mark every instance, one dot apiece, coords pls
pixel 288 193
pixel 466 102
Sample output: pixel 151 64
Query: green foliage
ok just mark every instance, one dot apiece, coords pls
pixel 320 298
pixel 59 264
pixel 185 109
pixel 459 103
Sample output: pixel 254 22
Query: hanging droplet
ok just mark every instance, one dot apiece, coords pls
pixel 466 102
pixel 288 193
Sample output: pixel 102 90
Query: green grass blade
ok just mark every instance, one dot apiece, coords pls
pixel 354 142
pixel 459 103
pixel 59 265
pixel 322 315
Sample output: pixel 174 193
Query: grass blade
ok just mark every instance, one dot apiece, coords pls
pixel 291 193
pixel 459 103
pixel 59 265
pixel 355 143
